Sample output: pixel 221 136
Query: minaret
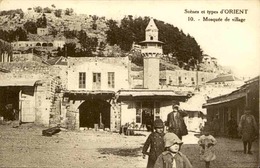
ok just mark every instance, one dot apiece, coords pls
pixel 151 52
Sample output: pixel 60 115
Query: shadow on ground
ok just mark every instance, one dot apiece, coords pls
pixel 130 152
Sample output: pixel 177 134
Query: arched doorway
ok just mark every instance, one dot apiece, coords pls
pixel 94 111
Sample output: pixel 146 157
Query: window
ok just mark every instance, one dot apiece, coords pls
pixel 111 79
pixel 151 37
pixel 82 80
pixel 180 80
pixel 170 80
pixel 192 81
pixel 96 81
pixel 202 79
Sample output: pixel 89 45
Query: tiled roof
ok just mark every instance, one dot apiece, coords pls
pixel 224 78
pixel 56 61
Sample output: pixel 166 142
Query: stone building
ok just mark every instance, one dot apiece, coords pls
pixel 30 86
pixel 42 31
pixel 233 104
pixel 228 80
pixel 90 95
pixel 185 78
pixel 43 44
pixel 30 89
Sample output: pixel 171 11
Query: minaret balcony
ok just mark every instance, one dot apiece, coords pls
pixel 152 50
pixel 151 55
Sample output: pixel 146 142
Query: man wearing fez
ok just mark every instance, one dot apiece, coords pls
pixel 175 122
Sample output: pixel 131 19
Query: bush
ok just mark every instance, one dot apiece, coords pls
pixel 69 11
pixel 38 9
pixel 30 27
pixel 12 12
pixel 47 10
pixel 58 12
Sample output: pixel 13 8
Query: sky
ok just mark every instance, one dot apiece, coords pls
pixel 233 43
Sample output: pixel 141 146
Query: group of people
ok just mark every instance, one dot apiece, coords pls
pixel 9 113
pixel 165 147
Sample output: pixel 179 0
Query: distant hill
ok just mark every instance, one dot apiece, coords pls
pixel 98 36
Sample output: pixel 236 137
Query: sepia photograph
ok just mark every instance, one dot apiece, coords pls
pixel 134 84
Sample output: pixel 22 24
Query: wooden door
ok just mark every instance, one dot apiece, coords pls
pixel 27 112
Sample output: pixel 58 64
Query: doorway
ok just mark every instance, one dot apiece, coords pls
pixel 94 111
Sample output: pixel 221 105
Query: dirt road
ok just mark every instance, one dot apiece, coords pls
pixel 26 147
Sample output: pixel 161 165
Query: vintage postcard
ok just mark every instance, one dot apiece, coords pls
pixel 87 83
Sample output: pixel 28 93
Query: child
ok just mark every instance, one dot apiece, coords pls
pixel 155 141
pixel 172 157
pixel 206 142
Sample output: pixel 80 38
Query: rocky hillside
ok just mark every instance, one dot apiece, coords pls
pixel 56 25
pixel 98 36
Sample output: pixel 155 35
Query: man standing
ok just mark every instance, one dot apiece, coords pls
pixel 175 122
pixel 248 129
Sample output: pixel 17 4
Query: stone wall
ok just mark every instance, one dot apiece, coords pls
pixel 47 94
pixel 26 57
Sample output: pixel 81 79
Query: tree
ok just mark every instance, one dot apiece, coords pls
pixel 113 33
pixel 20 34
pixel 4 35
pixel 38 9
pixel 58 12
pixel 136 58
pixel 70 34
pixel 70 48
pixel 12 12
pixel 132 30
pixel 101 48
pixel 41 22
pixel 53 32
pixel 88 45
pixel 47 10
pixel 5 47
pixel 69 11
pixel 30 27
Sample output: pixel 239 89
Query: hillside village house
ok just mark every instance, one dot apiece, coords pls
pixel 42 31
pixel 29 44
pixel 185 78
pixel 225 80
pixel 234 103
